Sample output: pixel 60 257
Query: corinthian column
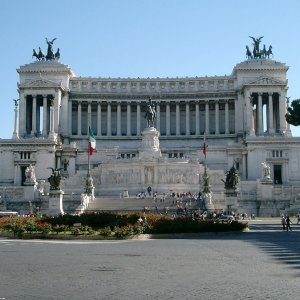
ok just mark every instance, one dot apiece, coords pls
pixel 168 118
pixel 197 119
pixel 271 114
pixel 217 117
pixel 119 132
pixel 187 118
pixel 15 133
pixel 79 118
pixel 177 119
pixel 158 116
pixel 207 131
pixel 128 119
pixel 33 130
pixel 226 117
pixel 260 114
pixel 45 115
pixel 138 118
pixel 99 119
pixel 109 118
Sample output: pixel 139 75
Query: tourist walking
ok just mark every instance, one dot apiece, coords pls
pixel 283 222
pixel 288 223
pixel 298 219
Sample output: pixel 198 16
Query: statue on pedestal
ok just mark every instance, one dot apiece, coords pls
pixel 30 175
pixel 150 113
pixel 266 171
pixel 232 179
pixel 55 179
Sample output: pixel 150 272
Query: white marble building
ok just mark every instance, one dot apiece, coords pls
pixel 241 116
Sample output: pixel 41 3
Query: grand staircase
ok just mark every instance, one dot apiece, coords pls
pixel 170 204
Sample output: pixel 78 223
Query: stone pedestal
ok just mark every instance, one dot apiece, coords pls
pixel 125 194
pixel 56 203
pixel 231 201
pixel 30 191
pixel 207 197
pixel 150 144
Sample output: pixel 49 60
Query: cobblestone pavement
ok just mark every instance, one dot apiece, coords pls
pixel 261 264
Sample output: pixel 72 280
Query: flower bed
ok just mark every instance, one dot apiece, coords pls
pixel 112 225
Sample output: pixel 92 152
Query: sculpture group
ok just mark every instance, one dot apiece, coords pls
pixel 257 52
pixel 39 55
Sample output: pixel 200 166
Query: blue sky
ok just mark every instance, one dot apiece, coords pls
pixel 139 38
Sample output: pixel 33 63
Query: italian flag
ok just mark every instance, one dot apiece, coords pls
pixel 92 141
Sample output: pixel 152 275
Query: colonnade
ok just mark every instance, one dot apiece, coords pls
pixel 126 118
pixel 266 113
pixel 31 122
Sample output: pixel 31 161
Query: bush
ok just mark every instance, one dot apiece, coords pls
pixel 120 225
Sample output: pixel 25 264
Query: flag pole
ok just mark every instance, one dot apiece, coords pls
pixel 89 187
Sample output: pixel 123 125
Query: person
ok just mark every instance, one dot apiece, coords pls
pixel 298 219
pixel 288 223
pixel 283 222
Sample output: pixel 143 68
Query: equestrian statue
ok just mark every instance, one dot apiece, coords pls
pixel 150 113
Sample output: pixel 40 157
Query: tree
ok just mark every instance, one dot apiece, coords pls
pixel 293 114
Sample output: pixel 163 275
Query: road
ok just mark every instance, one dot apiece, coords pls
pixel 261 264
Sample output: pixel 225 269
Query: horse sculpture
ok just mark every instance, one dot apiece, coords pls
pixel 248 53
pixel 269 52
pixel 150 114
pixel 39 56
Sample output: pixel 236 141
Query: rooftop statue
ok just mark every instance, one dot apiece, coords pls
pixel 150 113
pixel 39 55
pixel 257 52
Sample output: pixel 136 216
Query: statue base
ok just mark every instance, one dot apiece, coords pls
pixel 150 144
pixel 56 203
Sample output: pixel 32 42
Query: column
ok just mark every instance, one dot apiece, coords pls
pixel 217 117
pixel 109 118
pixel 128 118
pixel 249 114
pixel 138 118
pixel 271 114
pixel 168 118
pixel 187 118
pixel 197 119
pixel 207 131
pixel 33 130
pixel 15 133
pixel 89 116
pixel 70 105
pixel 226 117
pixel 177 119
pixel 99 129
pixel 158 115
pixel 119 133
pixel 244 165
pixel 282 111
pixel 79 118
pixel 22 114
pixel 52 118
pixel 236 115
pixel 260 115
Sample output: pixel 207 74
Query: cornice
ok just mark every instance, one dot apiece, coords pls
pixel 155 96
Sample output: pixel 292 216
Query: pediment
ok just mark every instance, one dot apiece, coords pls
pixel 266 81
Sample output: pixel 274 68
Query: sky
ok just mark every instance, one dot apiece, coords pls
pixel 144 38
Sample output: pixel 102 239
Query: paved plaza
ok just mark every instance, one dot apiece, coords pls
pixel 261 264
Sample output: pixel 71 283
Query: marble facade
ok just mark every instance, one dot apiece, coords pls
pixel 241 116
